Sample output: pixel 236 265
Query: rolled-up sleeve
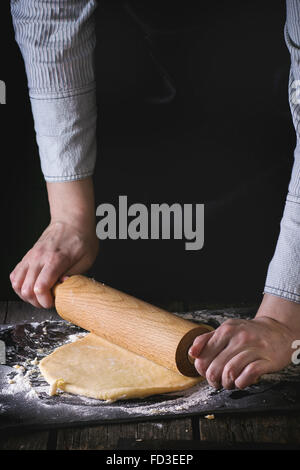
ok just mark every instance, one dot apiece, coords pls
pixel 57 42
pixel 283 277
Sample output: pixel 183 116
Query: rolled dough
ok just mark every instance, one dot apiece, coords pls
pixel 96 368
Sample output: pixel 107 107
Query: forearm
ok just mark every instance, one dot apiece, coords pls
pixel 283 311
pixel 283 278
pixel 57 41
pixel 72 202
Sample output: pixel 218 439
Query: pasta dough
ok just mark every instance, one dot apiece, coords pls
pixel 96 368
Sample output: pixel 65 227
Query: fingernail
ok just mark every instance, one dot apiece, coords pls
pixel 190 352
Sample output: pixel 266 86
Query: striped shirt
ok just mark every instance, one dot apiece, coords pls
pixel 57 41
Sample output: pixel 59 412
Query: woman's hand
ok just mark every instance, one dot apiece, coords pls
pixel 69 245
pixel 238 352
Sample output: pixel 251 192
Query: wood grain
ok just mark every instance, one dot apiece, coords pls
pixel 30 441
pixel 106 437
pixel 282 428
pixel 3 311
pixel 255 428
pixel 128 322
pixel 20 312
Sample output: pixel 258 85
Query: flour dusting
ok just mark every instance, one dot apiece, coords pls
pixel 23 388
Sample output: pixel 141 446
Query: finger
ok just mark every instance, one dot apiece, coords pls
pixel 17 277
pixel 27 290
pixel 214 346
pixel 48 276
pixel 252 372
pixel 217 339
pixel 234 366
pixel 43 293
pixel 215 370
pixel 199 343
pixel 13 273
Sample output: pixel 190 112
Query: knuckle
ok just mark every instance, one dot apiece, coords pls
pixel 34 254
pixel 16 285
pixel 245 336
pixel 226 329
pixel 13 280
pixel 40 287
pixel 196 342
pixel 59 256
pixel 263 343
pixel 53 257
pixel 26 291
pixel 201 367
pixel 211 376
pixel 252 370
pixel 199 341
pixel 228 371
pixel 78 240
pixel 15 271
pixel 50 258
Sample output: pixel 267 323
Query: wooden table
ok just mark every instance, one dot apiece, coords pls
pixel 234 430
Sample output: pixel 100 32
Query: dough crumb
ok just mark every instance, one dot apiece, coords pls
pixel 34 362
pixel 59 383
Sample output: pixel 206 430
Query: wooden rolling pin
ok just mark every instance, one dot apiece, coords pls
pixel 146 330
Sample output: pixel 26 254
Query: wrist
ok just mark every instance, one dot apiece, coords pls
pixel 72 203
pixel 79 222
pixel 283 311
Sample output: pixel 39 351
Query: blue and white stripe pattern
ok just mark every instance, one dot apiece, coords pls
pixel 283 278
pixel 57 40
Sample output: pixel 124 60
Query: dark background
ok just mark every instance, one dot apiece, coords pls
pixel 193 108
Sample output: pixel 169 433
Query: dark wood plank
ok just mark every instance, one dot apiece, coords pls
pixel 3 311
pixel 29 441
pixel 19 312
pixel 271 428
pixel 106 437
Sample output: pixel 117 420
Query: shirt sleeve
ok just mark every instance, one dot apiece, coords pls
pixel 283 277
pixel 57 42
